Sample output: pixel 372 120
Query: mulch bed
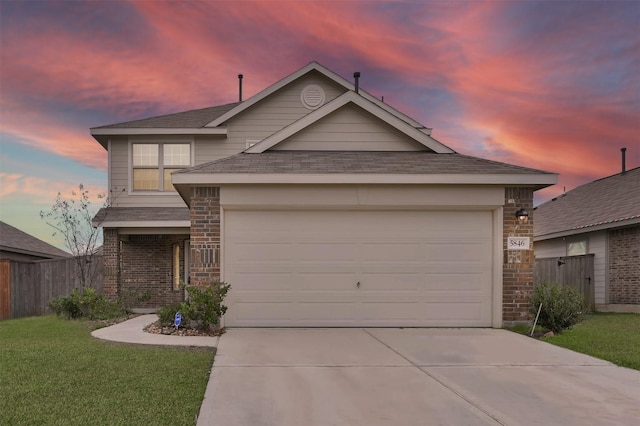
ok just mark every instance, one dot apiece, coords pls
pixel 156 328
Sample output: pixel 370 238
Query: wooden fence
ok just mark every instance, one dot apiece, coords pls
pixel 5 301
pixel 570 271
pixel 27 287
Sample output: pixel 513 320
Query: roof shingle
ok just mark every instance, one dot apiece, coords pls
pixel 613 200
pixel 188 119
pixel 355 162
pixel 140 214
pixel 13 239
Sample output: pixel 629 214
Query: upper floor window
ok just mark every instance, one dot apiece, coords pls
pixel 154 162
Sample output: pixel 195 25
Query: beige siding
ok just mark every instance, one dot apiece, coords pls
pixel 349 128
pixel 211 148
pixel 365 196
pixel 598 246
pixel 550 248
pixel 206 148
pixel 278 110
pixel 118 169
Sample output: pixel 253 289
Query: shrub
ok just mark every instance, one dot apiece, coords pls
pixel 85 304
pixel 204 304
pixel 562 307
pixel 167 314
pixel 66 306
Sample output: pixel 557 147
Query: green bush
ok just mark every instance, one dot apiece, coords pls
pixel 562 307
pixel 203 307
pixel 167 315
pixel 86 303
pixel 204 304
pixel 66 306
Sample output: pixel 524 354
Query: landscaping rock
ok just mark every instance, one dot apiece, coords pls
pixel 156 328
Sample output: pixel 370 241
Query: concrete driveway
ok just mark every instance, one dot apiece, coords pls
pixel 318 377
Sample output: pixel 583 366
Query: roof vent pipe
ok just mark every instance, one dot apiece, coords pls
pixel 356 76
pixel 240 87
pixel 624 155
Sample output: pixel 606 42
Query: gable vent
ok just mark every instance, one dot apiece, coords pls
pixel 312 96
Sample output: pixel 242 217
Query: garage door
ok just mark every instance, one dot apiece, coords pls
pixel 358 268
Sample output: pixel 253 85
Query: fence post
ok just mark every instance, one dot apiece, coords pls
pixel 5 289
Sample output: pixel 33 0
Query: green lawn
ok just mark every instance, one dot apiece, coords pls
pixel 608 336
pixel 53 372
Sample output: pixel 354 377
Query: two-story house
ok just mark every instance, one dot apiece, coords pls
pixel 321 205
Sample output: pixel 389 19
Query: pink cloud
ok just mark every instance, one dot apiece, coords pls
pixel 40 130
pixel 527 100
pixel 43 190
pixel 535 109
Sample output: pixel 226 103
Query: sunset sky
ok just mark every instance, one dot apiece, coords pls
pixel 553 85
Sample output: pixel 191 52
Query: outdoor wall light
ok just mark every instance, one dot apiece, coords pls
pixel 522 215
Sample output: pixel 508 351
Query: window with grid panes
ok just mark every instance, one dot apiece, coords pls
pixel 153 164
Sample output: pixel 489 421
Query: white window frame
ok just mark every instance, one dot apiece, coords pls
pixel 160 142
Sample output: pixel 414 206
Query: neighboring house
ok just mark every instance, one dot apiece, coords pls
pixel 20 246
pixel 600 218
pixel 322 206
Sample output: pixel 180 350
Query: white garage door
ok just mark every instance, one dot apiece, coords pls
pixel 358 268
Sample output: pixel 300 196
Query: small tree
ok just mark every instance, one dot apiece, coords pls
pixel 72 218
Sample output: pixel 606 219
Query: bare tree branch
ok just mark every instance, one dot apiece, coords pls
pixel 72 218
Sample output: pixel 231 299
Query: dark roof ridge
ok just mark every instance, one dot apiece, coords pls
pixel 581 187
pixel 620 173
pixel 608 202
pixel 229 105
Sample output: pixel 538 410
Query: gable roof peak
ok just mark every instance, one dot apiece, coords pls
pixel 351 98
pixel 315 66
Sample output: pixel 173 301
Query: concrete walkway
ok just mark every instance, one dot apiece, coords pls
pixel 318 377
pixel 132 331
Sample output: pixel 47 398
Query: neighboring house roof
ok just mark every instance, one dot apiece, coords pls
pixel 151 217
pixel 606 203
pixel 181 122
pixel 16 241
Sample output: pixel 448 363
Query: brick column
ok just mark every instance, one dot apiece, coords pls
pixel 205 235
pixel 518 265
pixel 110 263
pixel 624 266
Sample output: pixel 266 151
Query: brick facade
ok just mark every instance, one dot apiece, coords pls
pixel 146 275
pixel 138 269
pixel 518 265
pixel 205 235
pixel 110 263
pixel 624 266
